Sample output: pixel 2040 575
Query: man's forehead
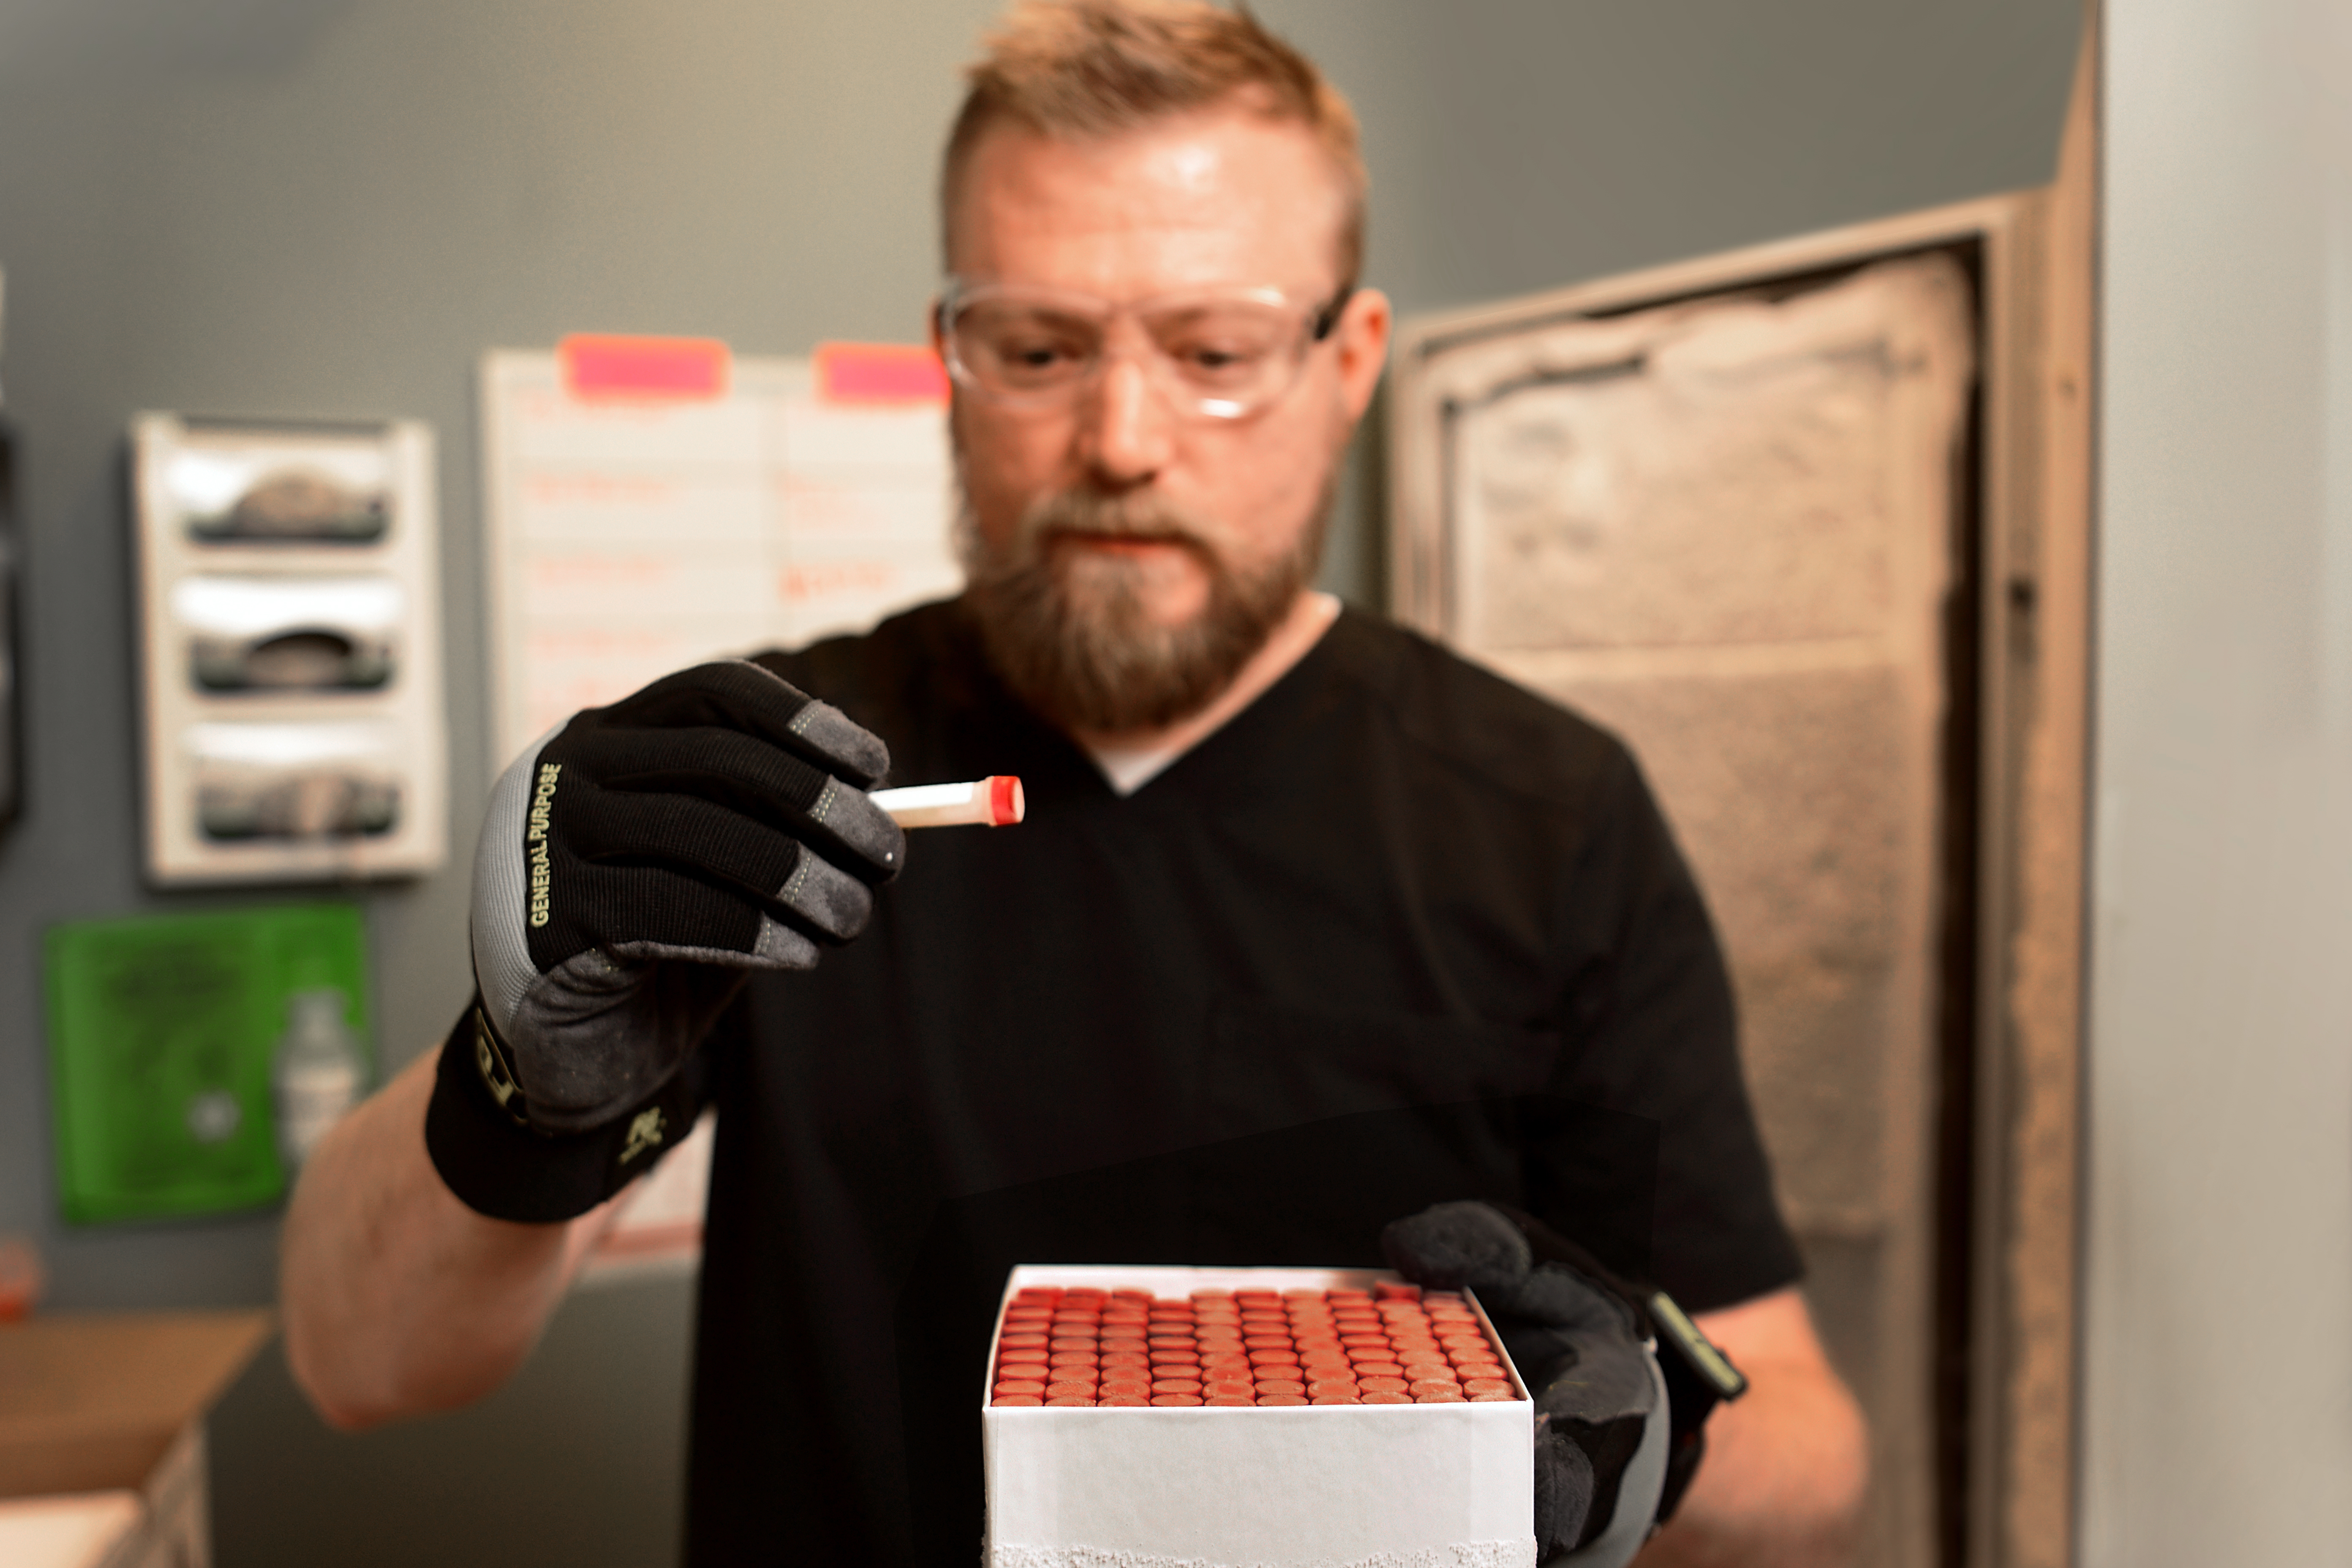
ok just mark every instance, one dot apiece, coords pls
pixel 1223 195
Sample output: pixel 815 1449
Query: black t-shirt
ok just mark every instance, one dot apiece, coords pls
pixel 1398 934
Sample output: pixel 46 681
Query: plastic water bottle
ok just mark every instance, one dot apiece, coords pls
pixel 317 1074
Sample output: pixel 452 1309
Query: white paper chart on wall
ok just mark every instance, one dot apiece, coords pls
pixel 630 536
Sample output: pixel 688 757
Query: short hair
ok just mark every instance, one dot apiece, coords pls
pixel 1076 70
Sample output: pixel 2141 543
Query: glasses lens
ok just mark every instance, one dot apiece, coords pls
pixel 1220 356
pixel 1015 349
pixel 1228 352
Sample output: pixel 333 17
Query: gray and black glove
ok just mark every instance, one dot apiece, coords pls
pixel 636 864
pixel 1619 1422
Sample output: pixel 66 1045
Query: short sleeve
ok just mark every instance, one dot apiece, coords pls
pixel 1649 1029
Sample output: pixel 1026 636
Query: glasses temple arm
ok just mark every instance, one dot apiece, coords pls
pixel 1328 316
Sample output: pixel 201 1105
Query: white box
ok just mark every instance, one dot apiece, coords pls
pixel 1318 1486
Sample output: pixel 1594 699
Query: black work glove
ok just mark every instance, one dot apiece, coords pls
pixel 636 865
pixel 1609 1464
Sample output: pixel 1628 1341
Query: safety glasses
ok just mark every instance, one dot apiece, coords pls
pixel 1216 353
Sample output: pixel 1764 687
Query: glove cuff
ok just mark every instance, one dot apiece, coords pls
pixel 500 1167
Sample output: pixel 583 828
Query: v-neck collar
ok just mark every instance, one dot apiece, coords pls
pixel 1146 763
pixel 1266 717
pixel 1055 762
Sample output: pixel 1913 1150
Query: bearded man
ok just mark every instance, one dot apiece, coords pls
pixel 1311 926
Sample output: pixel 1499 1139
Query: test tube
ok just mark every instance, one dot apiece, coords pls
pixel 995 801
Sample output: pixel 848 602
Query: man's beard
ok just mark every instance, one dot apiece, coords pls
pixel 1066 629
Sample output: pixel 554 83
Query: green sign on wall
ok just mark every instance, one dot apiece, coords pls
pixel 161 1030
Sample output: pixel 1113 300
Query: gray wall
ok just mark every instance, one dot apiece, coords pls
pixel 2219 1280
pixel 273 207
pixel 269 207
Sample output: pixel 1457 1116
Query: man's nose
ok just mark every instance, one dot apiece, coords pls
pixel 1128 430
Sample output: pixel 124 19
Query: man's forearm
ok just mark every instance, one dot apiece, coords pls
pixel 399 1300
pixel 1782 1481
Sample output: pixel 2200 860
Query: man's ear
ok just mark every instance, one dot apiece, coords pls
pixel 1362 335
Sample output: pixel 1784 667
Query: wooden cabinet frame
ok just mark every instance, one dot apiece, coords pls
pixel 2013 1504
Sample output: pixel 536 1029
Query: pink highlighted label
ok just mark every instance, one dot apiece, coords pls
pixel 879 373
pixel 601 365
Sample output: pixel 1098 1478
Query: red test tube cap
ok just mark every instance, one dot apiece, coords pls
pixel 1006 805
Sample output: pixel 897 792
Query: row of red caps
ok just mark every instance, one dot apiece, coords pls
pixel 1394 1344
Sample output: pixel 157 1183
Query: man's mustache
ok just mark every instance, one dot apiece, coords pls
pixel 1080 514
